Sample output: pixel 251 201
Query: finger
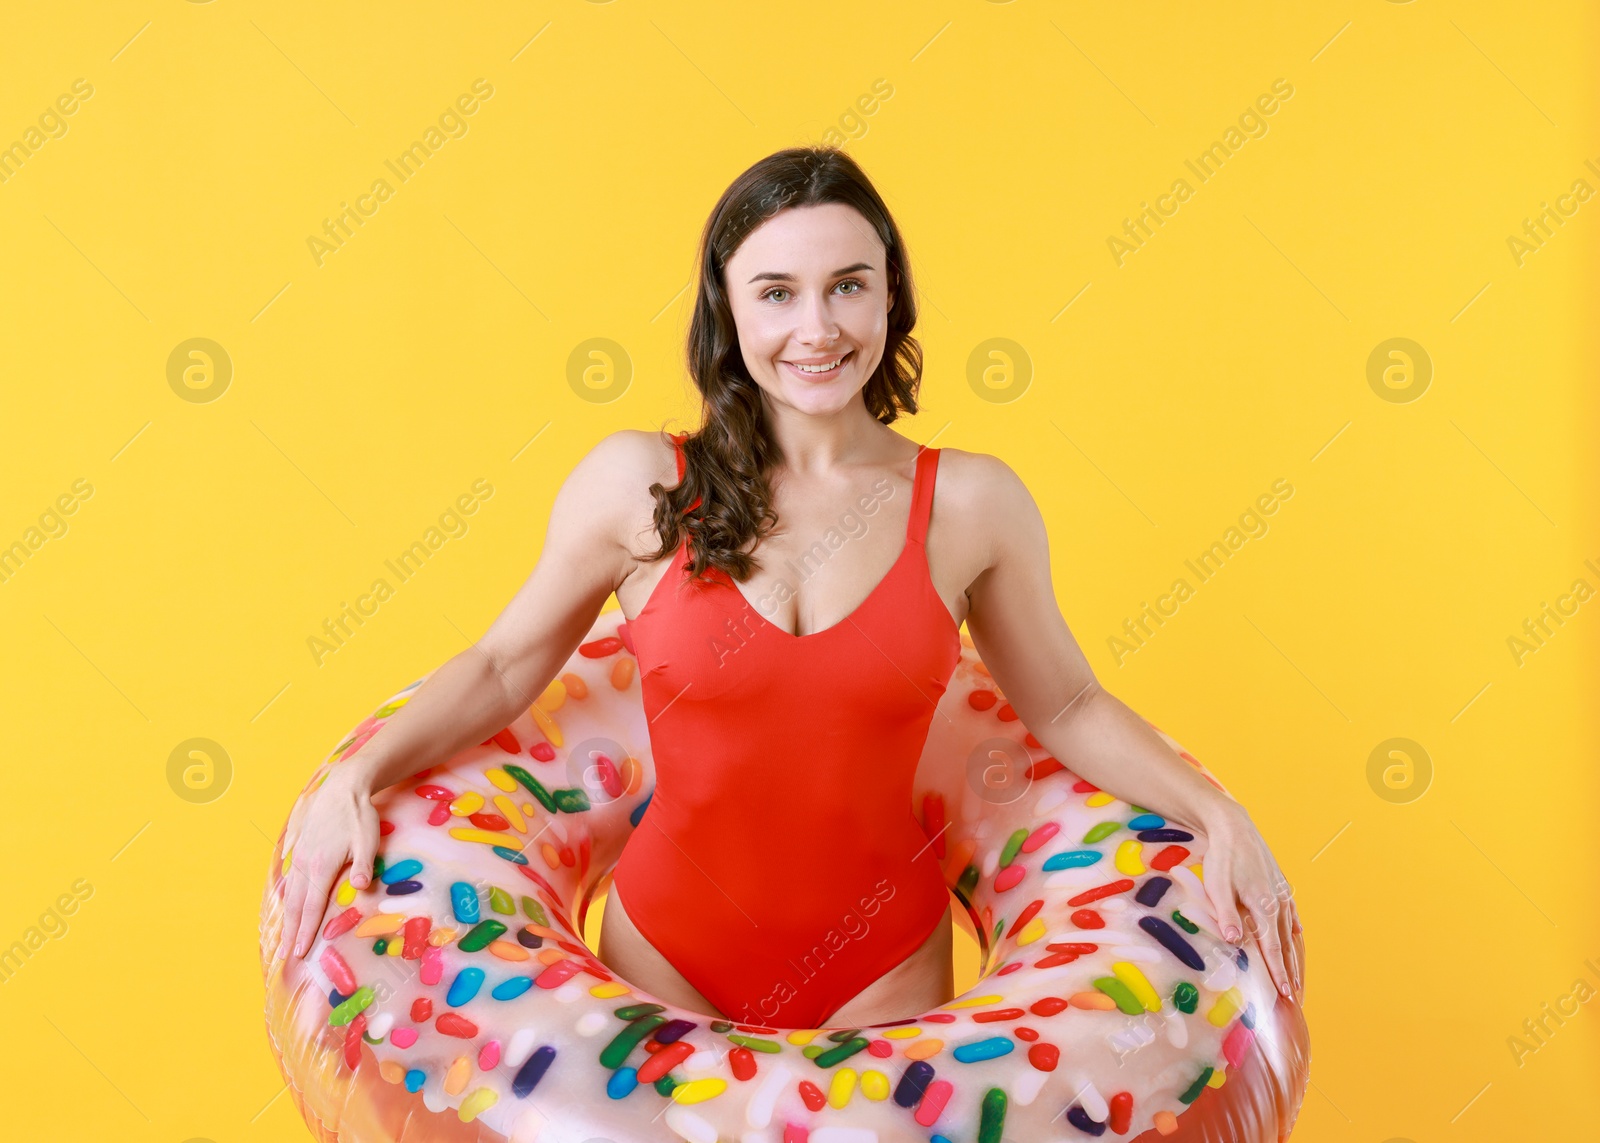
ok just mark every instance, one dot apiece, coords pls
pixel 1266 929
pixel 1220 892
pixel 316 902
pixel 293 899
pixel 1286 941
pixel 364 850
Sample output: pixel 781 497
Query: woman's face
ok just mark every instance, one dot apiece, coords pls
pixel 810 287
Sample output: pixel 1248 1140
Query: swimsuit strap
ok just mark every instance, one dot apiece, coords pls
pixel 677 447
pixel 922 495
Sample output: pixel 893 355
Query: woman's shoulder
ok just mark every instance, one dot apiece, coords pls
pixel 977 482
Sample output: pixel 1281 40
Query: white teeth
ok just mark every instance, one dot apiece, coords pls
pixel 819 368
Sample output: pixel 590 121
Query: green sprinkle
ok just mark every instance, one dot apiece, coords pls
pixel 612 1055
pixel 535 912
pixel 1186 996
pixel 1103 830
pixel 841 1036
pixel 720 1025
pixel 634 1011
pixel 480 935
pixel 1192 1092
pixel 346 1012
pixel 751 1042
pixel 1013 847
pixel 992 1116
pixel 572 801
pixel 533 786
pixel 665 1084
pixel 377 867
pixel 968 881
pixel 500 901
pixel 842 1052
pixel 380 947
pixel 1185 923
pixel 811 1051
pixel 1119 992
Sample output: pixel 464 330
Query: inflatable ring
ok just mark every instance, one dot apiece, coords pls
pixel 455 999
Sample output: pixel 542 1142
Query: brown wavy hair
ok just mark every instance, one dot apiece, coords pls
pixel 728 461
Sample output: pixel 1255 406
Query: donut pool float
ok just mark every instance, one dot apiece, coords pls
pixel 455 999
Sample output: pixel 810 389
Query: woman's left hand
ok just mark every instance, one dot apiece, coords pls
pixel 1241 876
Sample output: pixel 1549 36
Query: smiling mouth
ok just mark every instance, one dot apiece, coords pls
pixel 823 369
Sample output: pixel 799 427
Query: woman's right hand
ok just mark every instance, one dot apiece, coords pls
pixel 339 824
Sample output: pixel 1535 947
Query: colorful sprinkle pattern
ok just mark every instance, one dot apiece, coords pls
pixel 1107 1003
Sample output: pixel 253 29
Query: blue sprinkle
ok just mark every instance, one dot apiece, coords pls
pixel 464 987
pixel 1072 859
pixel 1242 960
pixel 939 1139
pixel 510 855
pixel 1165 835
pixel 1173 942
pixel 415 1078
pixel 512 987
pixel 638 811
pixel 674 1030
pixel 1151 892
pixel 622 1081
pixel 401 888
pixel 336 998
pixel 1147 821
pixel 1248 1019
pixel 530 1073
pixel 400 871
pixel 984 1049
pixel 913 1082
pixel 1079 1118
pixel 464 900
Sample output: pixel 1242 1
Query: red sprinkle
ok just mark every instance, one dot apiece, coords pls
pixel 812 1094
pixel 1102 891
pixel 1083 918
pixel 1056 958
pixel 1082 787
pixel 1025 1033
pixel 981 700
pixel 542 751
pixel 440 814
pixel 1168 857
pixel 507 741
pixel 1121 1112
pixel 1071 947
pixel 557 974
pixel 1039 836
pixel 352 1040
pixel 416 939
pixel 665 1060
pixel 880 1048
pixel 1028 914
pixel 421 1010
pixel 436 793
pixel 1009 968
pixel 343 923
pixel 385 828
pixel 1044 768
pixel 997 1014
pixel 600 648
pixel 1044 1056
pixel 939 1018
pixel 454 1024
pixel 1047 1006
pixel 494 823
pixel 1007 714
pixel 742 1063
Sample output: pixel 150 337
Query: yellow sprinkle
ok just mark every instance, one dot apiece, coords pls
pixel 1218 1077
pixel 380 924
pixel 576 687
pixel 438 938
pixel 500 778
pixel 1128 860
pixel 554 695
pixel 394 948
pixel 1031 932
pixel 1096 800
pixel 482 1099
pixel 1166 1122
pixel 1227 1004
pixel 874 1084
pixel 551 855
pixel 461 833
pixel 469 803
pixel 632 775
pixel 1138 984
pixel 621 674
pixel 455 1080
pixel 508 808
pixel 842 1087
pixel 700 1090
pixel 901 1033
pixel 346 894
pixel 609 989
pixel 1198 869
pixel 547 725
pixel 393 1071
pixel 527 808
pixel 922 1049
pixel 506 950
pixel 803 1035
pixel 975 1002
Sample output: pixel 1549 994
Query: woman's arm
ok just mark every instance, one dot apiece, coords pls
pixel 483 688
pixel 1018 630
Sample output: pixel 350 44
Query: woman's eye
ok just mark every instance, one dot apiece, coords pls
pixel 859 286
pixel 852 282
pixel 774 290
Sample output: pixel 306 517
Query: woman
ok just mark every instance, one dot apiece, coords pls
pixel 806 692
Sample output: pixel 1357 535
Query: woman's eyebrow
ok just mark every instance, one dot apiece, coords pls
pixel 776 276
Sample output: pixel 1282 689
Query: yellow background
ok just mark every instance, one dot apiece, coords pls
pixel 1230 351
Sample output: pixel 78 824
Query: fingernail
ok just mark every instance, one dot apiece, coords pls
pixel 359 881
pixel 1231 933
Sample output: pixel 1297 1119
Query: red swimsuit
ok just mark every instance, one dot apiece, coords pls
pixel 779 866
